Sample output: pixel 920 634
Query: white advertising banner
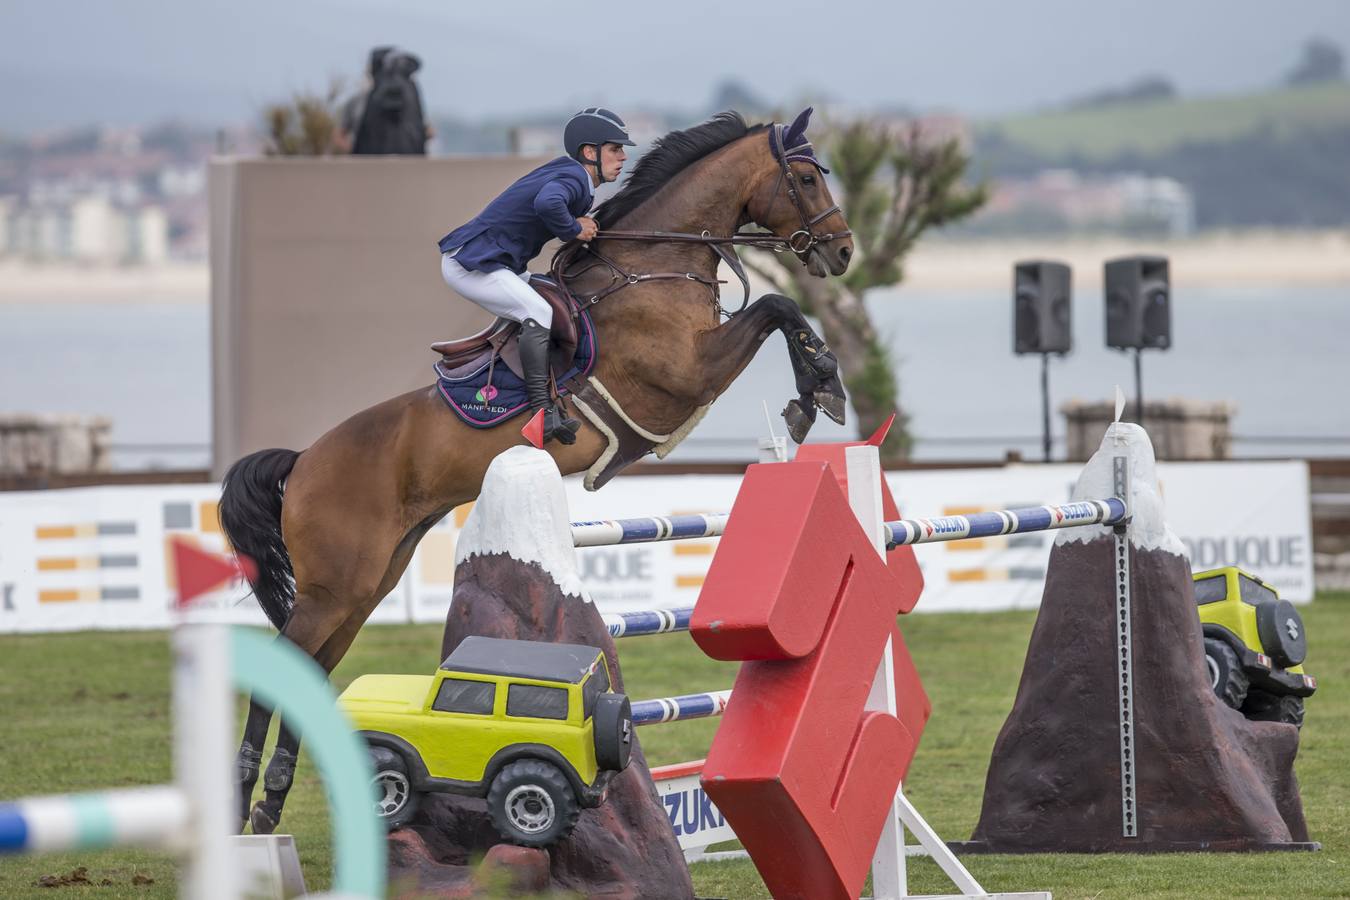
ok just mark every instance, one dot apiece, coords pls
pixel 1253 515
pixel 97 558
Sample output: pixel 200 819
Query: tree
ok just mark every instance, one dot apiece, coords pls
pixel 1322 61
pixel 304 126
pixel 895 184
pixel 1148 89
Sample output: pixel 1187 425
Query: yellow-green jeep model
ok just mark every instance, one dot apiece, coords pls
pixel 533 727
pixel 1254 645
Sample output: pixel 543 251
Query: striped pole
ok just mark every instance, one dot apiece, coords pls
pixel 607 532
pixel 686 706
pixel 906 531
pixel 151 817
pixel 648 621
pixel 1007 521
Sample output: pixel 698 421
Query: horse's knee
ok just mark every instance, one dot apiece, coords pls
pixel 777 299
pixel 783 309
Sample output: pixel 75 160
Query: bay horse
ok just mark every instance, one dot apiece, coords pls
pixel 332 528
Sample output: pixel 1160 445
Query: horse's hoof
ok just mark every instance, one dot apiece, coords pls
pixel 833 405
pixel 799 420
pixel 262 823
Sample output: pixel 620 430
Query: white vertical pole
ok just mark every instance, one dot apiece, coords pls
pixel 863 465
pixel 203 697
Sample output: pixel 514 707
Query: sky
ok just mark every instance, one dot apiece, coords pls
pixel 66 62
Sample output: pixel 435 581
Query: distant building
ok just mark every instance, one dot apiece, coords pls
pixel 546 140
pixel 6 205
pixel 933 129
pixel 110 195
pixel 1064 200
pixel 86 228
pixel 536 140
pixel 1163 200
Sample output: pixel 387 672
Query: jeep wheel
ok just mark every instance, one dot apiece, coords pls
pixel 532 804
pixel 395 799
pixel 1264 706
pixel 613 720
pixel 1225 673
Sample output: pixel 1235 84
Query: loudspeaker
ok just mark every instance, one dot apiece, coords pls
pixel 1138 303
pixel 1042 307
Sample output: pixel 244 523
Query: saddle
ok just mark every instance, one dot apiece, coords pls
pixel 466 354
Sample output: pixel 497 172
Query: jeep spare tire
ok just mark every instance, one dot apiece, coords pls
pixel 395 799
pixel 531 803
pixel 1280 628
pixel 613 720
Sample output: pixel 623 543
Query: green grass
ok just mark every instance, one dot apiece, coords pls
pixel 90 710
pixel 1157 126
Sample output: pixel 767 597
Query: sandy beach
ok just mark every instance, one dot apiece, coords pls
pixel 1219 259
pixel 170 283
pixel 1288 258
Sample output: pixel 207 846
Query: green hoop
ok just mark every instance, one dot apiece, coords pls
pixel 291 683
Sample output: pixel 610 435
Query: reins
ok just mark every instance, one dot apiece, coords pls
pixel 800 241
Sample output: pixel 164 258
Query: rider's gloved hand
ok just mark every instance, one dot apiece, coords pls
pixel 588 228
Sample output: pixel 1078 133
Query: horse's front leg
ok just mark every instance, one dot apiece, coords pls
pixel 726 350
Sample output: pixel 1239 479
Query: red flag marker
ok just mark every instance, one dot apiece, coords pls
pixel 200 571
pixel 879 436
pixel 534 430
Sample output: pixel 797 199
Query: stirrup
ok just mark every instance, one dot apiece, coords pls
pixel 558 426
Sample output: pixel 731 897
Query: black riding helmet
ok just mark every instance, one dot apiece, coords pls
pixel 596 126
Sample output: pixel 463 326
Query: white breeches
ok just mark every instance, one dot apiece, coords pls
pixel 502 293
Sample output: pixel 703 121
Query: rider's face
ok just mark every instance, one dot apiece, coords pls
pixel 612 158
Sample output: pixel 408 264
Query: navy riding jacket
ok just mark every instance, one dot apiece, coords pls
pixel 513 228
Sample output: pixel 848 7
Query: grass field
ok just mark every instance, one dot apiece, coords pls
pixel 90 710
pixel 1157 126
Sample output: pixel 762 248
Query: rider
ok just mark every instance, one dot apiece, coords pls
pixel 485 259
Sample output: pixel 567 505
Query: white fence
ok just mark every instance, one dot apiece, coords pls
pixel 96 557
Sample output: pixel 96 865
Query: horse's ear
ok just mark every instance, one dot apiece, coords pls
pixel 796 132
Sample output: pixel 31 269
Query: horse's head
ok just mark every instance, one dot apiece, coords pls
pixel 794 201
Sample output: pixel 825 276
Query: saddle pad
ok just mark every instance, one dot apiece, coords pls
pixel 491 393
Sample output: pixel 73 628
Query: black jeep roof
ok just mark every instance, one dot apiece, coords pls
pixel 522 659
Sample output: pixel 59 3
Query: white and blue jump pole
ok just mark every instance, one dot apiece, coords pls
pixel 675 709
pixel 904 532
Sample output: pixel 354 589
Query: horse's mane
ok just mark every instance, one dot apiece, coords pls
pixel 668 157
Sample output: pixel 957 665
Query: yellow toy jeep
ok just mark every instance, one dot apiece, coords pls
pixel 533 727
pixel 1254 645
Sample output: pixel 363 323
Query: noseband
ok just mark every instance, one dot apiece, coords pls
pixel 800 241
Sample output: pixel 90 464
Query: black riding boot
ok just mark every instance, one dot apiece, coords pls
pixel 534 360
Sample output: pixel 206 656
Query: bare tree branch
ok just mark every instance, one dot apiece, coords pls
pixel 780 278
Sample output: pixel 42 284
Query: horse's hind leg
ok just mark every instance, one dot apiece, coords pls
pixel 250 755
pixel 726 350
pixel 281 769
pixel 309 627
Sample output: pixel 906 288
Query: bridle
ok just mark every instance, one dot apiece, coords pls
pixel 802 152
pixel 800 241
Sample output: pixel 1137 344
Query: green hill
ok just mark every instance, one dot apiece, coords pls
pixel 1159 126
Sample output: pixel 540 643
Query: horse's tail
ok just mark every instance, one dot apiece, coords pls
pixel 250 516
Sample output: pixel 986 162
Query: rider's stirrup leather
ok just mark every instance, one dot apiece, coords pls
pixel 534 360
